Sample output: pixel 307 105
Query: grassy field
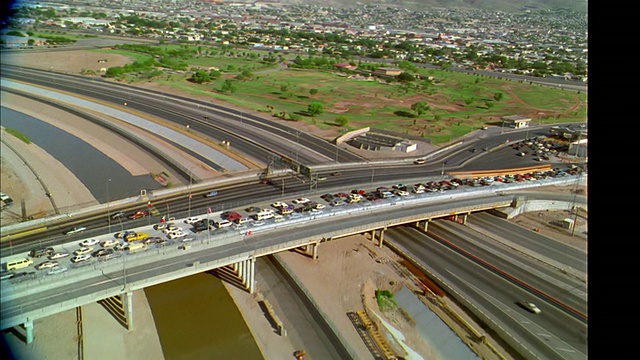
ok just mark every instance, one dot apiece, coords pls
pixel 458 103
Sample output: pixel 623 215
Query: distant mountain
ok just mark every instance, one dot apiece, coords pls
pixel 494 5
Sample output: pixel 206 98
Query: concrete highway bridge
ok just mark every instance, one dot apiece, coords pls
pixel 29 298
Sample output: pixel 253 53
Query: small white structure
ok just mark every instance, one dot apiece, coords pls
pixel 406 146
pixel 516 121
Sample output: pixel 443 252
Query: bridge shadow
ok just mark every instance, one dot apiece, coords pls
pixel 115 307
pixel 228 275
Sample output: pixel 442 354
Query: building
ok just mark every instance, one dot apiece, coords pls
pixel 516 121
pixel 383 71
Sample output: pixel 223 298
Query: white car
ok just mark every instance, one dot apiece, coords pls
pixel 418 190
pixel 171 228
pixel 58 255
pixel 191 220
pixel 75 230
pixel 159 226
pixel 83 251
pixel 319 206
pixel 401 193
pixel 176 235
pixel 300 201
pixel 81 258
pixel 109 243
pixel 531 307
pixel 89 242
pixel 47 265
pixel 279 204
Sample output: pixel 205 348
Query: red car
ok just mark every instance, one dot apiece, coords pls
pixel 138 215
pixel 232 215
pixel 342 195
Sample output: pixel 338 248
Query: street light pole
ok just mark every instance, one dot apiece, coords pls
pixel 297 144
pixel 108 206
pixel 190 179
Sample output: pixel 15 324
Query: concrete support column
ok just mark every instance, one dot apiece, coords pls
pixel 240 271
pixel 28 326
pixel 373 234
pixel 252 275
pixel 464 218
pixel 315 251
pixel 127 304
pixel 426 225
pixel 382 236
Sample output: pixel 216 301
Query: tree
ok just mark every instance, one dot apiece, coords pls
pixel 405 77
pixel 342 120
pixel 315 108
pixel 420 107
pixel 313 91
pixel 498 96
pixel 228 86
pixel 200 77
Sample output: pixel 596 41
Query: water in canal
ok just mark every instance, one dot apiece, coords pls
pixel 196 318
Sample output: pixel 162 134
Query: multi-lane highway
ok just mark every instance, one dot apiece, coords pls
pixel 496 279
pixel 256 138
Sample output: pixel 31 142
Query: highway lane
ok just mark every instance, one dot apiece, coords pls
pixel 497 227
pixel 550 335
pixel 246 132
pixel 566 289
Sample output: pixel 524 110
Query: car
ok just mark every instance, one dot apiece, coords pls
pixel 336 202
pixel 176 235
pixel 531 307
pixel 211 194
pixel 83 251
pixel 123 234
pixel 485 128
pixel 81 258
pixel 75 230
pixel 265 181
pixel 419 161
pixel 36 253
pixel 118 215
pixel 138 215
pixel 280 204
pixel 89 242
pixel 300 201
pixel 473 150
pixel 200 226
pixel 318 206
pixel 222 223
pixel 401 193
pixel 170 228
pixel 327 197
pixel 192 220
pixel 252 209
pixel 152 240
pixel 341 195
pixel 109 243
pixel 102 252
pixel 336 173
pixel 46 265
pixel 160 226
pixel 231 215
pixel 58 255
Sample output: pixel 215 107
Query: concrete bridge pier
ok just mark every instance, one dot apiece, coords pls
pixel 28 326
pixel 246 271
pixel 312 250
pixel 127 305
pixel 380 237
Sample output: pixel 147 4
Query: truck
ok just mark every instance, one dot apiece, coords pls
pixel 136 237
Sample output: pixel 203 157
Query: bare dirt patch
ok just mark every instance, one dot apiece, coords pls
pixel 74 61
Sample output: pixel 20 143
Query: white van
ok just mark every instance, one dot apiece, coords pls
pixel 222 223
pixel 264 214
pixel 19 264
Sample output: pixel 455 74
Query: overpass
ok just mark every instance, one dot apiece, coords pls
pixel 39 296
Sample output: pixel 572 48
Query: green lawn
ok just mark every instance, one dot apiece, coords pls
pixel 459 103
